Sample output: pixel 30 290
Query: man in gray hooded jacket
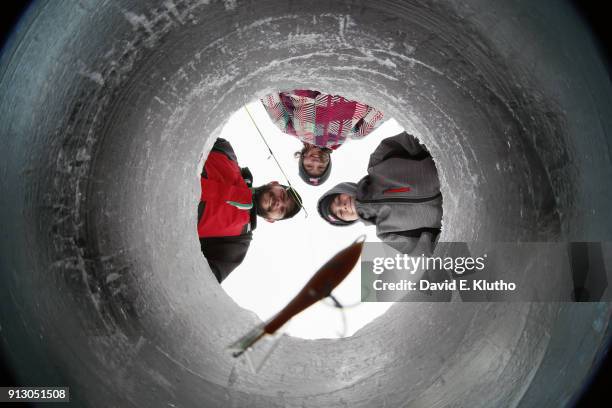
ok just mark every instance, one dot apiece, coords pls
pixel 400 195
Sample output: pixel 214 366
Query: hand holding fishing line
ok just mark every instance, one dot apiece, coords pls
pixel 320 286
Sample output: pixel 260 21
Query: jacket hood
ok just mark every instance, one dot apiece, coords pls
pixel 326 199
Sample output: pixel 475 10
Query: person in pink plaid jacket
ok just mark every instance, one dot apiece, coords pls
pixel 323 122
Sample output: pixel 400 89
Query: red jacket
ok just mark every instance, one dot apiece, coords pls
pixel 225 223
pixel 227 197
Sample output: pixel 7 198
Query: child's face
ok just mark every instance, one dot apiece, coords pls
pixel 343 207
pixel 315 161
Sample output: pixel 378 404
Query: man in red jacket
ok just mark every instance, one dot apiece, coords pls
pixel 229 206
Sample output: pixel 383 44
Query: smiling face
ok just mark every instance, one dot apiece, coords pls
pixel 343 207
pixel 315 160
pixel 275 202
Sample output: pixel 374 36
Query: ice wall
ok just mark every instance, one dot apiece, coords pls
pixel 106 108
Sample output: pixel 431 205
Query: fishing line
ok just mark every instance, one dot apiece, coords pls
pixel 267 145
pixel 308 225
pixel 291 189
pixel 336 304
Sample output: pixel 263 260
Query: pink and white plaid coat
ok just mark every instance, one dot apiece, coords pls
pixel 321 119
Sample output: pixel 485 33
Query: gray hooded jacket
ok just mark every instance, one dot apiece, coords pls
pixel 400 195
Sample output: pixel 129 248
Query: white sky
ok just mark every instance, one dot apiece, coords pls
pixel 284 255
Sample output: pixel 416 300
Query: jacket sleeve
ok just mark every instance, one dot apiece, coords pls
pixel 414 246
pixel 402 145
pixel 224 254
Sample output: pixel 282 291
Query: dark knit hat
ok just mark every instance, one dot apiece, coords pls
pixel 324 207
pixel 314 180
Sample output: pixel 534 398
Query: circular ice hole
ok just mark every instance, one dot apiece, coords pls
pixel 284 255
